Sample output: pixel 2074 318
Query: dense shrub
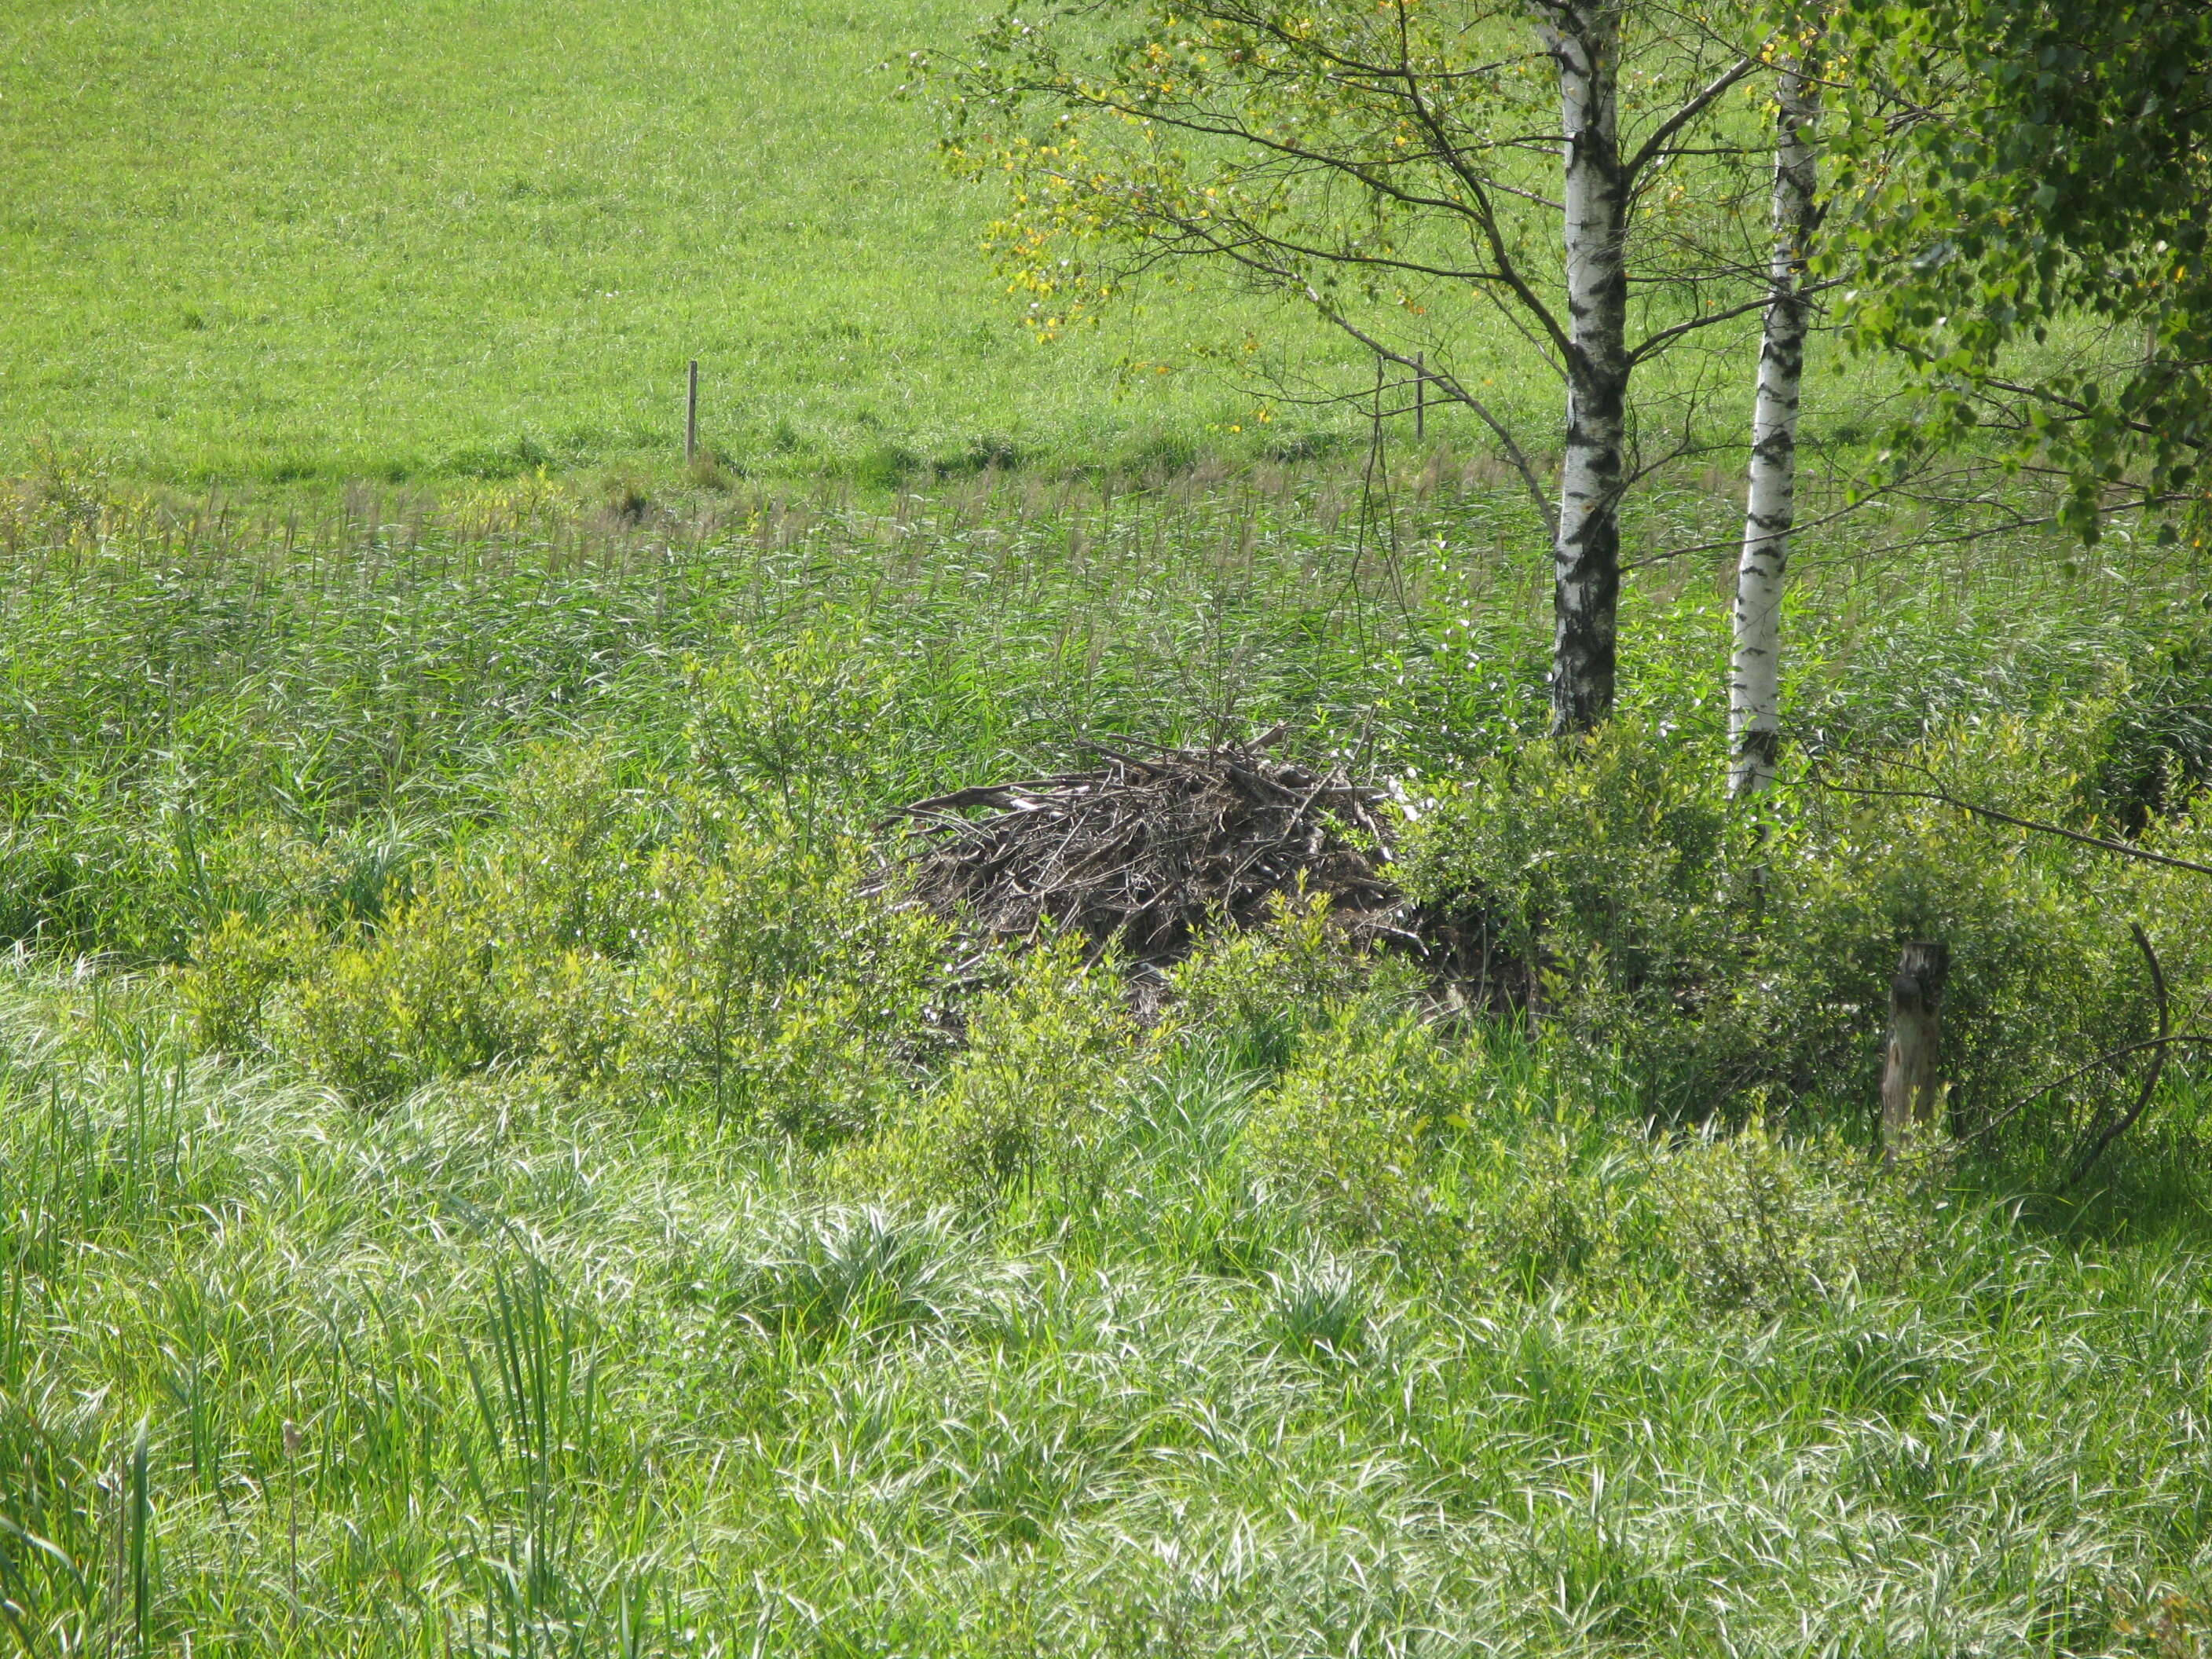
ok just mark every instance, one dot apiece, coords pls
pixel 1597 862
pixel 1032 1101
pixel 1261 991
pixel 236 968
pixel 802 726
pixel 636 943
pixel 1348 1135
pixel 1722 967
pixel 2156 745
pixel 1744 1220
pixel 1751 1222
pixel 1548 1207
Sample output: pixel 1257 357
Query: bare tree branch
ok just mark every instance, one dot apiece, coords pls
pixel 2123 849
pixel 2103 1143
pixel 1698 103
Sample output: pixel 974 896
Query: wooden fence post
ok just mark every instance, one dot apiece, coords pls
pixel 691 416
pixel 1911 1089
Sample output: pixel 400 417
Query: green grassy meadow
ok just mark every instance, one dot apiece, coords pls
pixel 418 240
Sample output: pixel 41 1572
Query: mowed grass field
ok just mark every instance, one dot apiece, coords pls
pixel 250 241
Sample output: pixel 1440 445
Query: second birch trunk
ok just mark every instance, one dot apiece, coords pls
pixel 1756 660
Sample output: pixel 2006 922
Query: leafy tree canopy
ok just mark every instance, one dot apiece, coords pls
pixel 2042 198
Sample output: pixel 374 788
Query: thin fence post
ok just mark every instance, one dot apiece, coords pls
pixel 1911 1089
pixel 1420 395
pixel 691 415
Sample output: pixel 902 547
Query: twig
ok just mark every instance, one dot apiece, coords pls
pixel 1116 755
pixel 2178 1039
pixel 2124 848
pixel 2103 1143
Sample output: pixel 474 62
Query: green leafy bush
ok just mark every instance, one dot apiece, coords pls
pixel 1745 1219
pixel 1599 865
pixel 1031 1104
pixel 1750 1221
pixel 1617 889
pixel 2041 977
pixel 1259 992
pixel 771 987
pixel 1693 966
pixel 641 945
pixel 1348 1135
pixel 1546 1208
pixel 2157 740
pixel 236 968
pixel 511 953
pixel 802 726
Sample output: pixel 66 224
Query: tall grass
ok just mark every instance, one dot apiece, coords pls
pixel 491 1372
pixel 213 707
pixel 507 1361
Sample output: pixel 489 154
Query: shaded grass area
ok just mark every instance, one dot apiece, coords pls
pixel 476 1175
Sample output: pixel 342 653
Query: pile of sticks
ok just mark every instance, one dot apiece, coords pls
pixel 1147 850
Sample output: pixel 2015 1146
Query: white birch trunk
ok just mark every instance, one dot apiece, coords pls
pixel 1770 509
pixel 1584 38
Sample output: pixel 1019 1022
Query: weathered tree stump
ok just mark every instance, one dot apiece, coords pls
pixel 1911 1087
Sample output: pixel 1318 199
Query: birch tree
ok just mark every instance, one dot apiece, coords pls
pixel 1770 504
pixel 1584 42
pixel 1428 177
